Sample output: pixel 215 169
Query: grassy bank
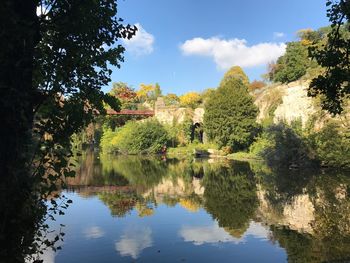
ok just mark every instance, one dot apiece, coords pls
pixel 193 148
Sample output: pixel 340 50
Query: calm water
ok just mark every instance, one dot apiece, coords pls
pixel 133 209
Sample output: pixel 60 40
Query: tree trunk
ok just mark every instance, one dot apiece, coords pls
pixel 19 36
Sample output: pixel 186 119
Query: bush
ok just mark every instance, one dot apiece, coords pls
pixel 281 145
pixel 332 148
pixel 138 137
pixel 107 135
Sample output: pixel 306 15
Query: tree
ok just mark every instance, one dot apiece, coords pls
pixel 308 36
pixel 126 95
pixel 334 83
pixel 52 68
pixel 256 84
pixel 190 99
pixel 171 99
pixel 149 93
pixel 230 115
pixel 292 65
pixel 236 72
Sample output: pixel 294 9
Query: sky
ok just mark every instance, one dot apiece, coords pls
pixel 188 45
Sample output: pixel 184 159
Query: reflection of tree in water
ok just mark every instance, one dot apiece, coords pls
pixel 121 203
pixel 139 171
pixel 192 202
pixel 89 172
pixel 303 247
pixel 332 206
pixel 230 196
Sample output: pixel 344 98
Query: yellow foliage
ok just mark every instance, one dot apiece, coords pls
pixel 149 92
pixel 190 99
pixel 144 90
pixel 237 73
pixel 189 205
pixel 144 210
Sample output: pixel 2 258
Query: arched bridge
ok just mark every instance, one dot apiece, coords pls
pixel 146 113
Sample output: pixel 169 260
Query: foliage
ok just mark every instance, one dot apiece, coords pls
pixel 184 134
pixel 52 68
pixel 292 65
pixel 171 99
pixel 149 93
pixel 334 84
pixel 280 145
pixel 126 95
pixel 190 148
pixel 106 140
pixel 308 36
pixel 256 85
pixel 230 115
pixel 139 137
pixel 237 73
pixel 206 94
pixel 331 146
pixel 190 99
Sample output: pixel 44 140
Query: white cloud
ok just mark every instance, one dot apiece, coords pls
pixel 93 232
pixel 134 241
pixel 141 43
pixel 278 34
pixel 214 234
pixel 227 53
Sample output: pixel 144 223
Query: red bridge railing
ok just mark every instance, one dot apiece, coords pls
pixel 131 112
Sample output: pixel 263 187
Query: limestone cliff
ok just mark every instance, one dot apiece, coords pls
pixel 287 103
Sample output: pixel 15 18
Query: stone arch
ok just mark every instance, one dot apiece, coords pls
pixel 197 132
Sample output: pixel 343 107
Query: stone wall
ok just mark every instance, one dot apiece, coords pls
pixel 175 114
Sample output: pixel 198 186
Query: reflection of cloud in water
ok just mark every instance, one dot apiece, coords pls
pixel 213 234
pixel 48 256
pixel 134 241
pixel 93 232
pixel 257 230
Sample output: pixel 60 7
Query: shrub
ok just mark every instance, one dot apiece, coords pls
pixel 281 145
pixel 105 143
pixel 140 137
pixel 332 148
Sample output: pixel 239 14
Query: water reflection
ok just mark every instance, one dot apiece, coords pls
pixel 305 213
pixel 134 240
pixel 214 234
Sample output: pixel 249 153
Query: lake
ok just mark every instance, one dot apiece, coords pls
pixel 153 209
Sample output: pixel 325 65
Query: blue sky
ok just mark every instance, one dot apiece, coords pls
pixel 187 45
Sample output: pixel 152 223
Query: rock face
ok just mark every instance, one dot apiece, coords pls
pixel 295 104
pixel 175 115
pixel 286 103
pixel 297 215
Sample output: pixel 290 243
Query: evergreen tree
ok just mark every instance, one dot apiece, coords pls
pixel 293 64
pixel 235 72
pixel 230 115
